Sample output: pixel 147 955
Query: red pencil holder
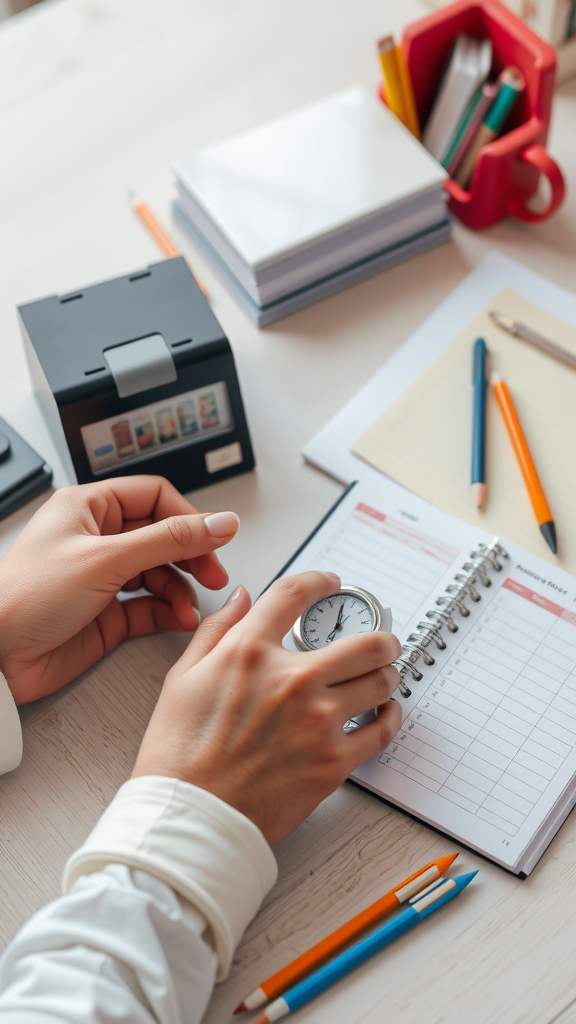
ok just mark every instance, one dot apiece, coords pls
pixel 508 169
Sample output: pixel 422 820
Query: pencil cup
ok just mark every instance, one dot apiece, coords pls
pixel 508 169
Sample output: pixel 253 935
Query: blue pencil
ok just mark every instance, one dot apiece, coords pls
pixel 424 904
pixel 479 422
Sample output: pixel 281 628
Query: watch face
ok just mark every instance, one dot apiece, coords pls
pixel 332 618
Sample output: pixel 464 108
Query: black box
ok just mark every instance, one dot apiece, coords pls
pixel 135 375
pixel 23 473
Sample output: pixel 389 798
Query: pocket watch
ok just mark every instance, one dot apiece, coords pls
pixel 350 611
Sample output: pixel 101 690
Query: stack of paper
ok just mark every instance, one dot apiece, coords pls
pixel 312 202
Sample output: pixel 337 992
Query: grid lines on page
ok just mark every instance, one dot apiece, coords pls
pixel 392 559
pixel 492 730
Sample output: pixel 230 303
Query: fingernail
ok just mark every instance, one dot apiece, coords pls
pixel 198 616
pixel 394 699
pixel 333 575
pixel 233 596
pixel 222 524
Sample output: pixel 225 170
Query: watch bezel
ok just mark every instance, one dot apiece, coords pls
pixel 365 595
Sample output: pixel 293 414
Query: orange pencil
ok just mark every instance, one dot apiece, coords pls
pixel 311 959
pixel 157 231
pixel 537 497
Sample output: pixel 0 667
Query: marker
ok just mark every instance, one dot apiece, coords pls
pixel 312 958
pixel 527 467
pixel 422 907
pixel 478 474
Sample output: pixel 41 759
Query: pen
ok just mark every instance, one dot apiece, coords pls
pixel 158 234
pixel 511 85
pixel 520 330
pixel 312 958
pixel 527 467
pixel 398 91
pixel 422 906
pixel 478 475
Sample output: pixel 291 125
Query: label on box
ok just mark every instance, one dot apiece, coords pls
pixel 221 458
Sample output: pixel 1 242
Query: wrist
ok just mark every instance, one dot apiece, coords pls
pixel 208 852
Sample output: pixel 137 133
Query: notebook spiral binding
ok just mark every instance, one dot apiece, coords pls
pixel 484 558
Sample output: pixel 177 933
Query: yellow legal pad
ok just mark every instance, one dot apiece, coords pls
pixel 424 439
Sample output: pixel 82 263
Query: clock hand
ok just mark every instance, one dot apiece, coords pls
pixel 341 623
pixel 337 625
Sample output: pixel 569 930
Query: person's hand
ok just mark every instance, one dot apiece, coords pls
pixel 59 612
pixel 262 727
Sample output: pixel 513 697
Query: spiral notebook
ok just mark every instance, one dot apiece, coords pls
pixel 487 748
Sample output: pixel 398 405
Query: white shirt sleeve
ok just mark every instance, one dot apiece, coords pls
pixel 10 730
pixel 155 903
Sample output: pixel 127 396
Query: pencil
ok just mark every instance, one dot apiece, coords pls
pixel 421 908
pixel 312 958
pixel 158 234
pixel 398 91
pixel 533 486
pixel 511 85
pixel 473 118
pixel 520 330
pixel 478 474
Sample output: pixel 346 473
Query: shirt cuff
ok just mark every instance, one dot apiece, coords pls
pixel 10 730
pixel 207 851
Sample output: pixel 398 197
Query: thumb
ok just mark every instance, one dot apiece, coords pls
pixel 173 539
pixel 211 631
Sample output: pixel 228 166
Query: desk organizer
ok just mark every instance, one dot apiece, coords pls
pixel 508 169
pixel 135 375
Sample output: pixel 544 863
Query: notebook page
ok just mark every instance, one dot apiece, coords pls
pixel 488 739
pixel 434 415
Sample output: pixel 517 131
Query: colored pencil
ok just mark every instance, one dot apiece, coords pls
pixel 473 119
pixel 533 486
pixel 478 474
pixel 520 330
pixel 157 231
pixel 312 958
pixel 422 907
pixel 398 91
pixel 511 84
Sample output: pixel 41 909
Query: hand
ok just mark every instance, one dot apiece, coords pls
pixel 59 612
pixel 262 727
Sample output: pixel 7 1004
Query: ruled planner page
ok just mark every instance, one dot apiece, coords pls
pixel 487 747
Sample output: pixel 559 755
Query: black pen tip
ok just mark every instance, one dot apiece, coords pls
pixel 548 531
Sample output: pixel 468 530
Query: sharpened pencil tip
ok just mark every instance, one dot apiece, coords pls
pixel 463 880
pixel 241 1009
pixel 133 197
pixel 548 531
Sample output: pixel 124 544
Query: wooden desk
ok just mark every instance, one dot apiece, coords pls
pixel 97 96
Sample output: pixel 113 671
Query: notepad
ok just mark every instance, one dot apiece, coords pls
pixel 487 748
pixel 424 439
pixel 315 194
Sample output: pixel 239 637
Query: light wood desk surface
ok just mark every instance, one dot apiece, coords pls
pixel 97 96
